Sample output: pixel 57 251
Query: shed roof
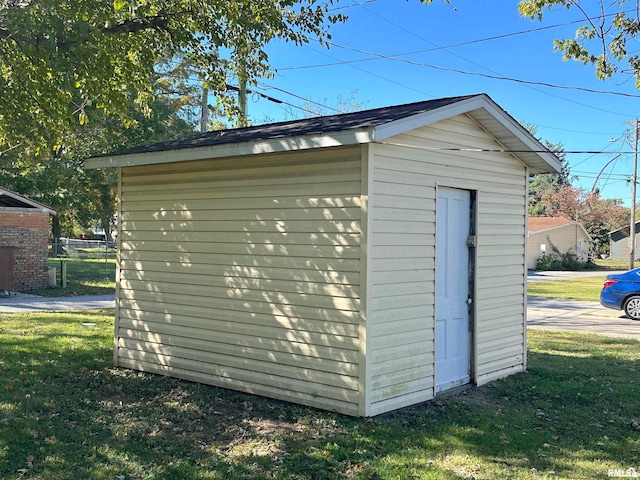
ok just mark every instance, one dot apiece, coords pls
pixel 9 199
pixel 623 232
pixel 543 224
pixel 367 126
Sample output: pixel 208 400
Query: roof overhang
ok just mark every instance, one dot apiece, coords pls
pixel 277 145
pixel 514 139
pixel 25 204
pixel 555 227
pixel 495 121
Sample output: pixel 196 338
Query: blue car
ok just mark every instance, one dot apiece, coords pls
pixel 622 292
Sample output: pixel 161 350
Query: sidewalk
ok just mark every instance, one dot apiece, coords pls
pixel 23 302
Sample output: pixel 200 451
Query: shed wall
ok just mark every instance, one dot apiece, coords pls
pixel 245 273
pixel 406 170
pixel 619 249
pixel 565 238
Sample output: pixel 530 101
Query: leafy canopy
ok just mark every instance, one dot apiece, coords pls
pixel 606 40
pixel 60 57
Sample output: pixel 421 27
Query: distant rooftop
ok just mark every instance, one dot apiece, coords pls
pixel 10 199
pixel 543 223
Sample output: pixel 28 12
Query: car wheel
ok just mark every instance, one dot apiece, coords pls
pixel 632 307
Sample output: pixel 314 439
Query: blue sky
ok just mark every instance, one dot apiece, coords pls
pixel 582 121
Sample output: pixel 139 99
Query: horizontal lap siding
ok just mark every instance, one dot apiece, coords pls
pixel 244 273
pixel 565 238
pixel 406 172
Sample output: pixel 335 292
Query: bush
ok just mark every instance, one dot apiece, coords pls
pixel 556 260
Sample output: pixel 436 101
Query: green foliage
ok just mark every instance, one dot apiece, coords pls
pixel 606 40
pixel 66 413
pixel 59 58
pixel 597 215
pixel 86 198
pixel 557 260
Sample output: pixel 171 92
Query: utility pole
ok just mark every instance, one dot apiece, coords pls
pixel 634 181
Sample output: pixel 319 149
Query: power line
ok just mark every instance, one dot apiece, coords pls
pixel 436 48
pixel 478 74
pixel 265 86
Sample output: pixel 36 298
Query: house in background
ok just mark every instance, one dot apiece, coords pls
pixel 24 242
pixel 358 263
pixel 619 243
pixel 560 232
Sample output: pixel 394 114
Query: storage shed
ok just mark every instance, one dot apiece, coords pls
pixel 620 245
pixel 359 263
pixel 24 242
pixel 562 233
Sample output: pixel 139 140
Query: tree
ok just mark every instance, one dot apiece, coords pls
pixel 56 177
pixel 598 216
pixel 603 41
pixel 59 58
pixel 543 184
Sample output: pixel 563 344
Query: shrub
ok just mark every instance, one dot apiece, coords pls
pixel 556 260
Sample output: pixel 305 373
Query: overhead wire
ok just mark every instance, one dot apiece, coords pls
pixel 493 77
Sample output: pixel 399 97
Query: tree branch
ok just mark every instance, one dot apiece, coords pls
pixel 158 22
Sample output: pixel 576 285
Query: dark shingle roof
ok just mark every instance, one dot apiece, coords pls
pixel 294 128
pixel 10 199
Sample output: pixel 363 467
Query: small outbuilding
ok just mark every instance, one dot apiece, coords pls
pixel 560 232
pixel 619 244
pixel 24 242
pixel 359 263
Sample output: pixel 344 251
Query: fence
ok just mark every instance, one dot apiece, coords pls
pixel 81 249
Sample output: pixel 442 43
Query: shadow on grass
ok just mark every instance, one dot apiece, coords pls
pixel 64 409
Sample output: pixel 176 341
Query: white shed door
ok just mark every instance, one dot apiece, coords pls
pixel 452 288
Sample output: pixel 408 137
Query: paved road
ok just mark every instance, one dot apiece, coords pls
pixel 22 302
pixel 585 317
pixel 543 313
pixel 534 276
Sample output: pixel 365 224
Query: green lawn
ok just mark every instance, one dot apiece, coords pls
pixel 575 289
pixel 87 276
pixel 65 413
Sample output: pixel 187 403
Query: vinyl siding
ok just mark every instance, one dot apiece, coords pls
pixel 245 273
pixel 406 171
pixel 565 238
pixel 620 248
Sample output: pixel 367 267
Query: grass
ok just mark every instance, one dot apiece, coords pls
pixel 85 276
pixel 612 264
pixel 587 288
pixel 66 413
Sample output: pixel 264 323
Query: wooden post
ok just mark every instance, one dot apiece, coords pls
pixel 63 273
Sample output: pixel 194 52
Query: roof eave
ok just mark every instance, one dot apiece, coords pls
pixel 31 203
pixel 504 128
pixel 543 230
pixel 277 145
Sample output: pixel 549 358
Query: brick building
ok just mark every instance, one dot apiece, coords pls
pixel 24 233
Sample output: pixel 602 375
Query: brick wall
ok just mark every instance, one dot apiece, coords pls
pixel 28 232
